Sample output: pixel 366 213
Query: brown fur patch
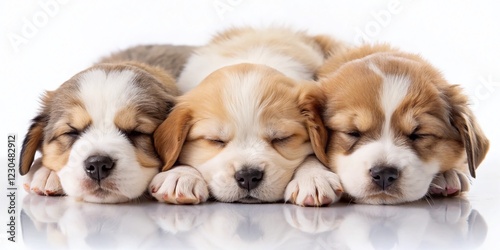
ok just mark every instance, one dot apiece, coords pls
pixel 32 142
pixel 56 153
pixel 169 137
pixel 126 119
pixel 146 153
pixel 79 118
pixel 169 58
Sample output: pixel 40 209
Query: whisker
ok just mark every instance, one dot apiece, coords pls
pixel 429 200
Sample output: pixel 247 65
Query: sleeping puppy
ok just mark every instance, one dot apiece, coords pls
pixel 251 125
pixel 397 127
pixel 94 133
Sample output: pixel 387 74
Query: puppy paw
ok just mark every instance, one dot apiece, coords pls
pixel 180 185
pixel 313 185
pixel 43 181
pixel 449 183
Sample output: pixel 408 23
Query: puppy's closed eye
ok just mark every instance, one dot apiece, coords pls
pixel 74 127
pixel 418 134
pixel 349 138
pixel 135 133
pixel 281 140
pixel 136 136
pixel 353 134
pixel 415 136
pixel 73 133
pixel 70 132
pixel 216 142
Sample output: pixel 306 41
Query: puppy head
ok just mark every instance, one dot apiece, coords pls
pixel 246 128
pixel 96 130
pixel 395 123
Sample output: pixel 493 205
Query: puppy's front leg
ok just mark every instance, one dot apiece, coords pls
pixel 42 181
pixel 179 185
pixel 313 185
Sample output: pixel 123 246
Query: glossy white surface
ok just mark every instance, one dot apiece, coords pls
pixel 444 223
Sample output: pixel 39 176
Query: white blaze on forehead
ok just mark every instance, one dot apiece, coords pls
pixel 242 99
pixel 394 90
pixel 104 94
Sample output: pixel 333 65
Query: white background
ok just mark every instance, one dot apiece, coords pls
pixel 41 47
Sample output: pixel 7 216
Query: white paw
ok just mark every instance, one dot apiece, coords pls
pixel 42 181
pixel 179 185
pixel 313 185
pixel 311 220
pixel 449 183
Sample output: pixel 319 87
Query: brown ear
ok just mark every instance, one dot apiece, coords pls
pixel 329 46
pixel 475 142
pixel 34 137
pixel 169 137
pixel 311 105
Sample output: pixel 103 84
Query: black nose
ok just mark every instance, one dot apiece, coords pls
pixel 384 176
pixel 248 178
pixel 98 167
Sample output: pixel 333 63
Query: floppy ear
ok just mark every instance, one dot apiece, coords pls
pixel 34 137
pixel 311 105
pixel 169 137
pixel 461 117
pixel 329 45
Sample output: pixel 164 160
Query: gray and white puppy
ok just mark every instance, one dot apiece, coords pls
pixel 94 132
pixel 171 58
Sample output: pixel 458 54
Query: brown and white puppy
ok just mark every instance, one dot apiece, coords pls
pixel 251 125
pixel 397 127
pixel 94 133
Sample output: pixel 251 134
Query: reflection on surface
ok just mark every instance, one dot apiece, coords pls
pixel 52 222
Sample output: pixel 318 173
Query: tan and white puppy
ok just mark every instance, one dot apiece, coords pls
pixel 249 127
pixel 397 127
pixel 95 133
